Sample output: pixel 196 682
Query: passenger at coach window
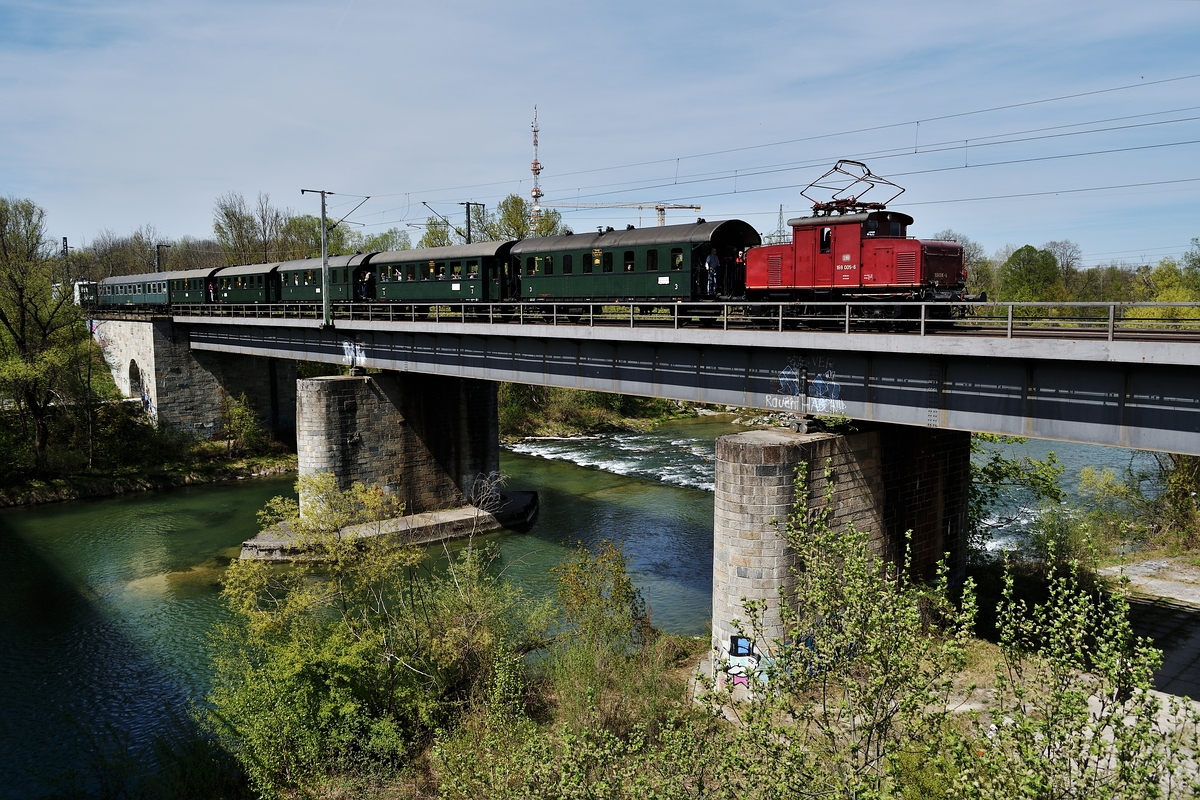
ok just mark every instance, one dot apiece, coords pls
pixel 712 264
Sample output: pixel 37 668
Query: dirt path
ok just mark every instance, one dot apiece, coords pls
pixel 1165 607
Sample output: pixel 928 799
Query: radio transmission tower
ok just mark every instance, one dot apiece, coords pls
pixel 535 212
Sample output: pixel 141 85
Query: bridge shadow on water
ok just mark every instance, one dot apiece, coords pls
pixel 1175 629
pixel 81 706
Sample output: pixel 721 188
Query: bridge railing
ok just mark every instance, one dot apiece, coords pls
pixel 1079 320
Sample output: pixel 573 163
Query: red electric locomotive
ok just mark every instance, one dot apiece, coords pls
pixel 850 249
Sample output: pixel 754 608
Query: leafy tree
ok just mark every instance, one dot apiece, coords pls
pixel 250 235
pixel 345 664
pixel 240 426
pixel 981 271
pixel 1001 486
pixel 1030 274
pixel 437 234
pixel 125 255
pixel 510 221
pixel 41 331
pixel 189 252
pixel 389 240
pixel 863 675
pixel 301 238
pixel 1073 713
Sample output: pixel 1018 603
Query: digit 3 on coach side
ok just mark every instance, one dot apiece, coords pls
pixel 848 249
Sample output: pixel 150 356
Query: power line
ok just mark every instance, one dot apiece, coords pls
pixel 1055 191
pixel 940 147
pixel 893 124
pixel 818 137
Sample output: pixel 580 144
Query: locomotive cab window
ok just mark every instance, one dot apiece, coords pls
pixel 826 240
pixel 871 227
pixel 628 261
pixel 676 258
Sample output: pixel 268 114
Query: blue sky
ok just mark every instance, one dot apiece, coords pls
pixel 124 113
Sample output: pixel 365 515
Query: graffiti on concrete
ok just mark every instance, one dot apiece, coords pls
pixel 808 385
pixel 354 354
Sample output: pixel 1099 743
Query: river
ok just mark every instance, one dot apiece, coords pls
pixel 105 605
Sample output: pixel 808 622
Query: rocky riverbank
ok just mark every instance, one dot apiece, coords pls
pixel 80 487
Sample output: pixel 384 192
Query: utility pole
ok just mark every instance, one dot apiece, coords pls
pixel 468 204
pixel 326 314
pixel 158 256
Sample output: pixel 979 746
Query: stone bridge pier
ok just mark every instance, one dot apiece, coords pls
pixel 183 388
pixel 425 438
pixel 888 479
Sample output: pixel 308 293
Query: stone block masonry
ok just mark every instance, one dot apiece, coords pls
pixel 184 389
pixel 426 438
pixel 888 479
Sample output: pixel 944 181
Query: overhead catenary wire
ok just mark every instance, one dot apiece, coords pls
pixel 848 132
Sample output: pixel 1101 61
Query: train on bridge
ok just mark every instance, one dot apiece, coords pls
pixel 846 250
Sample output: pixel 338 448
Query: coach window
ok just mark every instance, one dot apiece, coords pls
pixel 608 262
pixel 549 265
pixel 456 269
pixel 628 261
pixel 530 266
pixel 440 270
pixel 567 265
pixel 472 269
pixel 676 258
pixel 651 261
pixel 826 239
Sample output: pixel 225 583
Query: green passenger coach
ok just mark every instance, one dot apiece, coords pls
pixel 253 283
pixel 133 290
pixel 192 286
pixel 466 273
pixel 300 281
pixel 664 263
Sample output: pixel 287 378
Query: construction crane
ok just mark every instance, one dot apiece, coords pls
pixel 661 208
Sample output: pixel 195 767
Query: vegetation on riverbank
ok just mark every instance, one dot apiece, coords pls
pixel 381 674
pixel 547 411
pixel 127 452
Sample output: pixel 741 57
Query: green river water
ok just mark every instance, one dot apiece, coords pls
pixel 105 605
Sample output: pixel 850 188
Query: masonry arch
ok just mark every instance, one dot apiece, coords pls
pixel 135 379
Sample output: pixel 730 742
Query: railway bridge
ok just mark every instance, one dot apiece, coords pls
pixel 1108 374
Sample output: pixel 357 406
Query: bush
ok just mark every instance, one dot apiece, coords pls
pixel 343 666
